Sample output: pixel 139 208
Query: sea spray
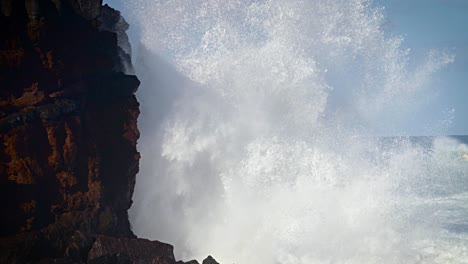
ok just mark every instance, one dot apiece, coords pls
pixel 258 123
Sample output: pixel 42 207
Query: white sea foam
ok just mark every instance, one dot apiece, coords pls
pixel 257 123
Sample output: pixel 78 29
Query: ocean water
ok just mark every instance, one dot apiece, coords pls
pixel 262 124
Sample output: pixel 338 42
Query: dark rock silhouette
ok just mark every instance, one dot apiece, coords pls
pixel 210 260
pixel 68 135
pixel 133 250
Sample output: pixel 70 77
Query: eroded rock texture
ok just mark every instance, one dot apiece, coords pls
pixel 68 134
pixel 130 251
pixel 68 130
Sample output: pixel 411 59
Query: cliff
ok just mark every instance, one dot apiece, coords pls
pixel 68 135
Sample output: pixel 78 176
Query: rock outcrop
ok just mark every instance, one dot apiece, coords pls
pixel 68 134
pixel 127 250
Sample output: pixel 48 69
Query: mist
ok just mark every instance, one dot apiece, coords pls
pixel 260 125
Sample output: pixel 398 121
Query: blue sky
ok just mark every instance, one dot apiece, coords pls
pixel 426 25
pixel 443 25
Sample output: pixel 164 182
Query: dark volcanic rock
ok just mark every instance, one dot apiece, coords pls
pixel 127 250
pixel 188 262
pixel 112 21
pixel 209 260
pixel 68 131
pixel 68 134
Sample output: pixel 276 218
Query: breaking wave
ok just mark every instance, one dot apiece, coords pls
pixel 258 137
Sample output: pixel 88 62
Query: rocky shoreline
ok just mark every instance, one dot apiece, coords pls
pixel 68 129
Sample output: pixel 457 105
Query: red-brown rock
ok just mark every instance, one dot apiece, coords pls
pixel 68 131
pixel 68 135
pixel 130 250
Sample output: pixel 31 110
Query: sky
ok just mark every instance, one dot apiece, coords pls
pixel 443 25
pixel 425 25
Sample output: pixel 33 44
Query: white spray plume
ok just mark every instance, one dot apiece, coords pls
pixel 256 142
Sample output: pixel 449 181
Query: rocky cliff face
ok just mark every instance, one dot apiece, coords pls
pixel 68 134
